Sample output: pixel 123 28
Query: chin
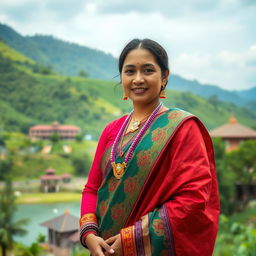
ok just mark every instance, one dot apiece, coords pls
pixel 144 101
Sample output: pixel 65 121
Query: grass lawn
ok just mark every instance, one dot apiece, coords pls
pixel 34 198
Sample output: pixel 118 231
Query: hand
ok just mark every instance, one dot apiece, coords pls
pixel 97 245
pixel 116 244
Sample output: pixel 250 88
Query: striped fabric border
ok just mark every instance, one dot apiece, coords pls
pixel 139 238
pixel 167 230
pixel 145 234
pixel 88 218
pixel 128 241
pixel 88 224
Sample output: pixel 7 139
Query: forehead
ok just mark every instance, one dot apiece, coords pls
pixel 139 56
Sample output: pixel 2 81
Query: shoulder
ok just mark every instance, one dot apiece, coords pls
pixel 191 128
pixel 115 123
pixel 177 113
pixel 183 117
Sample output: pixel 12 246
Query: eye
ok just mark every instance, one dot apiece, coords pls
pixel 129 71
pixel 149 70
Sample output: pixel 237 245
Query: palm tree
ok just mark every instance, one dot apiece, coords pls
pixel 8 226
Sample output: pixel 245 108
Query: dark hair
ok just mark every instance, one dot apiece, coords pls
pixel 153 47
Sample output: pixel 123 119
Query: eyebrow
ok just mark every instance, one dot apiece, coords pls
pixel 144 65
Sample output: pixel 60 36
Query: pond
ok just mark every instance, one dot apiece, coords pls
pixel 38 213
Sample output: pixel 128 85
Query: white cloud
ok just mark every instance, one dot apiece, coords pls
pixel 14 3
pixel 206 40
pixel 230 70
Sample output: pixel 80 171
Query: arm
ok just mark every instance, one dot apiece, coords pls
pixel 185 219
pixel 88 220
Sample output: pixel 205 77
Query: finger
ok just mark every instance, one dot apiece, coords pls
pixel 111 240
pixel 99 252
pixel 107 247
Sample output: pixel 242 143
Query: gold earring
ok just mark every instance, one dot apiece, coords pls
pixel 162 93
pixel 125 97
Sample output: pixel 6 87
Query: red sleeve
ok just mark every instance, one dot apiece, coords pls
pixel 89 194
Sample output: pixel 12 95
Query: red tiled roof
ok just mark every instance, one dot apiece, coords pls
pixel 50 170
pixel 49 127
pixel 233 130
pixel 50 177
pixel 55 126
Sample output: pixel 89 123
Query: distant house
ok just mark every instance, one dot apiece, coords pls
pixel 50 182
pixel 66 132
pixel 63 234
pixel 233 133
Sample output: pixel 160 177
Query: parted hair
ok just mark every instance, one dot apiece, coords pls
pixel 152 46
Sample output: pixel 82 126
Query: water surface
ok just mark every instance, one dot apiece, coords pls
pixel 38 213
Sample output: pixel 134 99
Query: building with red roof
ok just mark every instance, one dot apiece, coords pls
pixel 233 133
pixel 50 182
pixel 46 131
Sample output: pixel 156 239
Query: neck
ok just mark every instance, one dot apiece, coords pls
pixel 142 111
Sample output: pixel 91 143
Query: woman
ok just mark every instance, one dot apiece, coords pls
pixel 152 188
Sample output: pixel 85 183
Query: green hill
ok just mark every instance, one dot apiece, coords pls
pixel 32 94
pixel 66 58
pixel 29 95
pixel 71 59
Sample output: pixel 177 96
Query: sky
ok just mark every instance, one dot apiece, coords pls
pixel 211 41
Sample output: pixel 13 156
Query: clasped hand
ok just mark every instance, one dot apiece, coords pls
pixel 100 247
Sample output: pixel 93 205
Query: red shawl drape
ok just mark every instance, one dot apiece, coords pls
pixel 183 179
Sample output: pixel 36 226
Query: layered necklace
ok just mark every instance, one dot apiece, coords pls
pixel 136 123
pixel 119 168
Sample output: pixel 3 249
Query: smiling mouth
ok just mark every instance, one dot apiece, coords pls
pixel 139 90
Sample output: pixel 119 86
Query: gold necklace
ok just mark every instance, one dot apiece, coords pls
pixel 136 123
pixel 122 143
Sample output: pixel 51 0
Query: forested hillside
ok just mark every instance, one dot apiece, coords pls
pixel 66 58
pixel 72 59
pixel 241 98
pixel 31 93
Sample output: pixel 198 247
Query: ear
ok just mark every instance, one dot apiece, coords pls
pixel 165 77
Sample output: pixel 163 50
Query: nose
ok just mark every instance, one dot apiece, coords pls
pixel 138 79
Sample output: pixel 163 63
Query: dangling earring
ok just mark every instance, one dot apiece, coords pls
pixel 125 97
pixel 162 93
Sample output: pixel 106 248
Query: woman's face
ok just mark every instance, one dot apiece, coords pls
pixel 142 78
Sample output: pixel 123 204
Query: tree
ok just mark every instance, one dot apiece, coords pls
pixel 55 137
pixel 82 73
pixel 46 70
pixel 5 168
pixel 81 164
pixel 8 226
pixel 2 140
pixel 32 250
pixel 79 137
pixel 226 177
pixel 243 162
